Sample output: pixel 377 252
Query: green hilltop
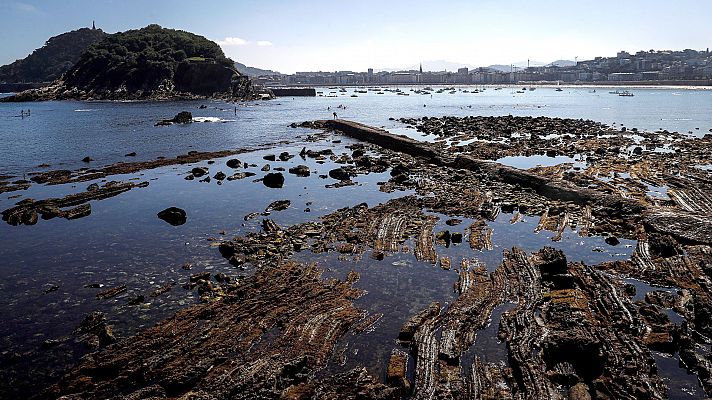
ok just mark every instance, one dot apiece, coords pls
pixel 147 63
pixel 53 59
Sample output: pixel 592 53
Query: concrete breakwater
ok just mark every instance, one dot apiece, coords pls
pixel 294 92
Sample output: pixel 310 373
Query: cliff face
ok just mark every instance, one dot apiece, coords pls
pixel 203 78
pixel 148 63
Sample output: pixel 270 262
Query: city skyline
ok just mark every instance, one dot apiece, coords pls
pixel 320 36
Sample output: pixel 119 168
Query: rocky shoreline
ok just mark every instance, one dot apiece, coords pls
pixel 569 330
pixel 243 91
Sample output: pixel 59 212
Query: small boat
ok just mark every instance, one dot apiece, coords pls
pixel 520 91
pixel 361 91
pixel 353 95
pixel 626 93
pixel 532 89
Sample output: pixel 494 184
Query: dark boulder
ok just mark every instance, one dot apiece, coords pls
pixel 173 215
pixel 274 180
pixel 199 171
pixel 183 117
pixel 233 163
pixel 612 240
pixel 300 170
pixel 284 156
pixel 340 174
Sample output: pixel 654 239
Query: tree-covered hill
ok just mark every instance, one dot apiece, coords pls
pixel 53 59
pixel 142 59
pixel 148 63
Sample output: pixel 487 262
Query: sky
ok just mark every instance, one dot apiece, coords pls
pixel 333 35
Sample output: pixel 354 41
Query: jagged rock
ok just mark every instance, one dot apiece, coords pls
pixel 183 117
pixel 240 175
pixel 278 205
pixel 94 324
pixel 111 292
pixel 396 374
pixel 408 329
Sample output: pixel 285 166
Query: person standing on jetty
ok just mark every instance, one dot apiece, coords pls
pixel 334 114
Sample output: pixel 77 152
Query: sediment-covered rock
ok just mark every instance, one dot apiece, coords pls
pixel 288 320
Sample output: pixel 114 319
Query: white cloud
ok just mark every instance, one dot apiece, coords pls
pixel 264 43
pixel 232 41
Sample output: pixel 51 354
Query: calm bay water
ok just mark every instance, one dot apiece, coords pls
pixel 62 133
pixel 122 241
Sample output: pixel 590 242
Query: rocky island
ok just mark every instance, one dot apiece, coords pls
pixel 152 63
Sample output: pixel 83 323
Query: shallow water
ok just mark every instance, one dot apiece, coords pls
pixel 62 133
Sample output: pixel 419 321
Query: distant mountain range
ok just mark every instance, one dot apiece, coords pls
pixel 252 71
pixel 523 64
pixel 443 65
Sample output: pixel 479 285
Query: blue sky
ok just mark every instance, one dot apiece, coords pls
pixel 291 36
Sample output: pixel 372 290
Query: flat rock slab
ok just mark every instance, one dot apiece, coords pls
pixel 691 227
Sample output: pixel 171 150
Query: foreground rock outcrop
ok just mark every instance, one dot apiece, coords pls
pixel 266 338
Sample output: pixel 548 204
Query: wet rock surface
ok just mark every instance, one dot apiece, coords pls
pixel 72 206
pixel 288 320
